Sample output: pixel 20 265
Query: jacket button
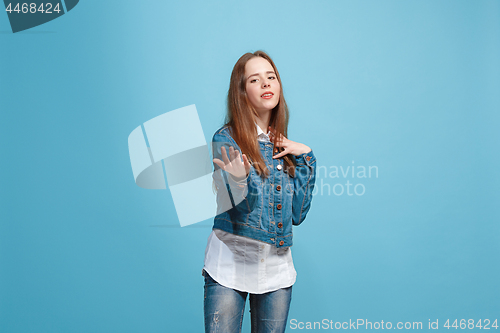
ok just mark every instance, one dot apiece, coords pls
pixel 280 225
pixel 308 158
pixel 278 187
pixel 278 167
pixel 279 206
pixel 281 242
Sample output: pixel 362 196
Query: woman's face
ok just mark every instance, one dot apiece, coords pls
pixel 261 84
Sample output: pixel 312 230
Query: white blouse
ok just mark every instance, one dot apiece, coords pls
pixel 246 264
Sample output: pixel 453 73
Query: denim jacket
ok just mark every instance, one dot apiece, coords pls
pixel 262 208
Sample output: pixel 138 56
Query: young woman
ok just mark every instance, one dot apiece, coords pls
pixel 264 185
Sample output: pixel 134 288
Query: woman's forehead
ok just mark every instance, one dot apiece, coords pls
pixel 257 65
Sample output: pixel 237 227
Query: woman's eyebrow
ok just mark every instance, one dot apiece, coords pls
pixel 268 72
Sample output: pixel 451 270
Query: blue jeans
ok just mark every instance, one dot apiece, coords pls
pixel 224 309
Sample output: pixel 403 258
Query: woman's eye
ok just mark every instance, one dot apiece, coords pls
pixel 272 77
pixel 253 80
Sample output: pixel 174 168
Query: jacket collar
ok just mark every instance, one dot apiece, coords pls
pixel 261 136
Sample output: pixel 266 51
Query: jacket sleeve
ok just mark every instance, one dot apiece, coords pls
pixel 304 180
pixel 231 193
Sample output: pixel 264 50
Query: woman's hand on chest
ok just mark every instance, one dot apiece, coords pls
pixel 288 146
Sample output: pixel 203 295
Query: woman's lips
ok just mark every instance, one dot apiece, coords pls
pixel 267 95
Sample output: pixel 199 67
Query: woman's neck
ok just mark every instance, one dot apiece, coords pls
pixel 263 120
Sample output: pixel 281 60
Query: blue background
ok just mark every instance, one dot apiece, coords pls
pixel 411 87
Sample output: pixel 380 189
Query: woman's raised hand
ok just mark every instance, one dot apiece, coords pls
pixel 236 167
pixel 289 146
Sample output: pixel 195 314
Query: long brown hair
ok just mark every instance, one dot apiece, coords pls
pixel 241 114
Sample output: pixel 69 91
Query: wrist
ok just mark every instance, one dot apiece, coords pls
pixel 304 150
pixel 238 179
pixel 306 158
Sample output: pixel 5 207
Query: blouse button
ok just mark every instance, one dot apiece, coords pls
pixel 278 167
pixel 280 225
pixel 278 187
pixel 308 158
pixel 278 206
pixel 282 242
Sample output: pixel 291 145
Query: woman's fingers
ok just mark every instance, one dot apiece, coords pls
pixel 246 163
pixel 238 167
pixel 236 156
pixel 224 155
pixel 278 141
pixel 243 161
pixel 271 130
pixel 219 163
pixel 235 164
pixel 232 154
pixel 279 144
pixel 283 153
